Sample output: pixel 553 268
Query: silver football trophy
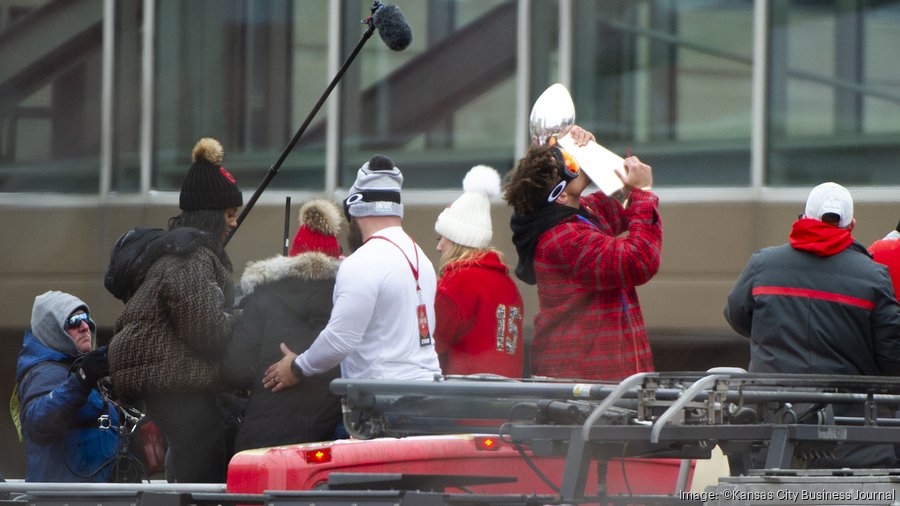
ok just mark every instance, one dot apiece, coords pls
pixel 552 115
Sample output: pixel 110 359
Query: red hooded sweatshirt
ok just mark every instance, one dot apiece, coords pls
pixel 819 238
pixel 479 319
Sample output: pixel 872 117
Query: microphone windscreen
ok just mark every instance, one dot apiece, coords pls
pixel 392 28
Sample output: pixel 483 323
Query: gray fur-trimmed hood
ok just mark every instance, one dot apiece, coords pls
pixel 311 265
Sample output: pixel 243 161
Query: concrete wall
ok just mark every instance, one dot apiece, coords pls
pixel 705 247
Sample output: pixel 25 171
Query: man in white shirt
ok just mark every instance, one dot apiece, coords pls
pixel 383 318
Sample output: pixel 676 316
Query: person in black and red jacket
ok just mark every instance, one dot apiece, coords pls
pixel 820 305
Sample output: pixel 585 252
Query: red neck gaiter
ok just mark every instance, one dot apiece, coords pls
pixel 819 238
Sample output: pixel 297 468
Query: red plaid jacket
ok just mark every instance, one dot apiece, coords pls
pixel 589 325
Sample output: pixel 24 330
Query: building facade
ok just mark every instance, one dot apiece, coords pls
pixel 740 106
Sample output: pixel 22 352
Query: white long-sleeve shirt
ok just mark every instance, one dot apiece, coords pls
pixel 373 331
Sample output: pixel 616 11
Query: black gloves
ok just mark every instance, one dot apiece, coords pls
pixel 92 366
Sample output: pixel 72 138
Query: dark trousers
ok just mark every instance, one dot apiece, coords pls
pixel 194 432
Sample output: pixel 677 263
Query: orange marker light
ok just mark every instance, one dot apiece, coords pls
pixel 318 456
pixel 487 443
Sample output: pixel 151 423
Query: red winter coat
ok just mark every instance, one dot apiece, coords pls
pixel 479 319
pixel 590 325
pixel 887 252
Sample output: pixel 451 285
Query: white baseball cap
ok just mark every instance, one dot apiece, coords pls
pixel 830 198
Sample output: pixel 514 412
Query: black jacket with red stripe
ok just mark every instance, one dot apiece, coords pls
pixel 811 314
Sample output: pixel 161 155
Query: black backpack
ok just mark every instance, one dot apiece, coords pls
pixel 136 251
pixel 131 257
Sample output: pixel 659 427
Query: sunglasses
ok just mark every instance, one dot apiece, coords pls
pixel 568 167
pixel 370 196
pixel 75 320
pixel 349 201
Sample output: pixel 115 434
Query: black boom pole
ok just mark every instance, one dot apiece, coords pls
pixel 309 117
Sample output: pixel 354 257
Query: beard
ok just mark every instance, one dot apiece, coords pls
pixel 354 236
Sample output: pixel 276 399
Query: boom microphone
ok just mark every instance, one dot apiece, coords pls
pixel 392 28
pixel 394 32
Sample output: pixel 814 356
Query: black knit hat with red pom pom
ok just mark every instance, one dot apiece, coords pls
pixel 207 184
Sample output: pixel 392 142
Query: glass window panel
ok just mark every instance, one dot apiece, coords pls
pixel 671 80
pixel 832 96
pixel 543 43
pixel 445 103
pixel 32 139
pixel 810 102
pixel 127 97
pixel 243 72
pixel 714 80
pixel 882 40
pixel 50 96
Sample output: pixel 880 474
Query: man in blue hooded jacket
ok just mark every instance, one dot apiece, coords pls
pixel 70 430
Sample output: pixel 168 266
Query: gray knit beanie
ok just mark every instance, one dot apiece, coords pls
pixel 376 191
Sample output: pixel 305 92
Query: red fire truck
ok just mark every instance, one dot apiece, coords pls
pixel 455 428
pixel 308 466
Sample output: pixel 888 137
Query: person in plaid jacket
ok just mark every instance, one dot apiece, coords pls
pixel 589 324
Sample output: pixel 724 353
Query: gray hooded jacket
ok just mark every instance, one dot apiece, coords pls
pixel 48 318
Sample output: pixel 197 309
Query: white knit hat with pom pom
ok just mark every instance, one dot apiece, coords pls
pixel 467 221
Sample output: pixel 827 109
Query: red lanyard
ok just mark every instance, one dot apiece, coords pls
pixel 415 270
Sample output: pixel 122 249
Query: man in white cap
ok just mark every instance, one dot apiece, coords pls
pixel 383 320
pixel 820 305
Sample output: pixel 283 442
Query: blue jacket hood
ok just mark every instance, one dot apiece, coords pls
pixel 34 352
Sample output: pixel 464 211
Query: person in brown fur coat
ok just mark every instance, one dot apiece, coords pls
pixel 166 353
